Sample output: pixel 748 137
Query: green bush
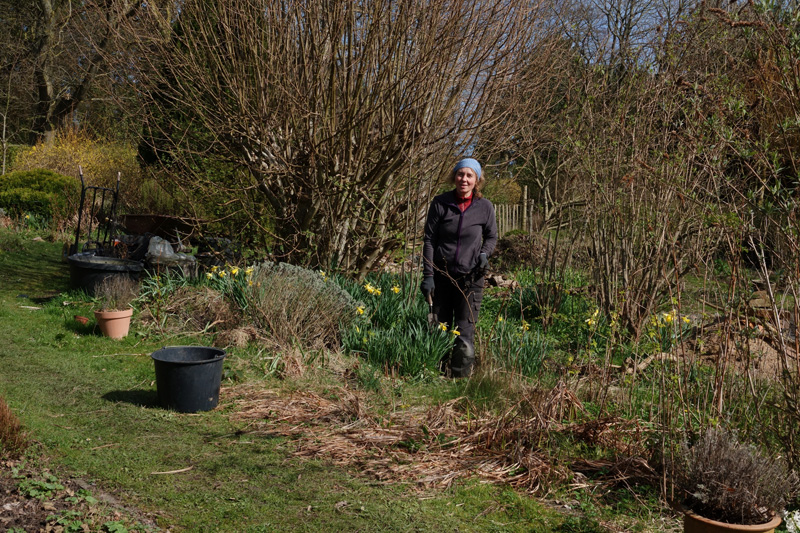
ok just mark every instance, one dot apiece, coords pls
pixel 40 193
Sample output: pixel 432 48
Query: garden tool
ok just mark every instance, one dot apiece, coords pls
pixel 433 320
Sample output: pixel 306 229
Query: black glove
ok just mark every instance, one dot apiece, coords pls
pixel 483 264
pixel 427 286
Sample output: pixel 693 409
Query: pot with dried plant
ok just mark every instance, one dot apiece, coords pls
pixel 115 294
pixel 728 486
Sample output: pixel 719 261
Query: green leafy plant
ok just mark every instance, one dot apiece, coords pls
pixel 517 347
pixel 392 332
pixel 40 488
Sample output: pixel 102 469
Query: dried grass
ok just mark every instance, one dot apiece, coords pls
pixel 13 439
pixel 193 310
pixel 427 446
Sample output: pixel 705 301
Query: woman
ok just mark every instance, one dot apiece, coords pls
pixel 460 235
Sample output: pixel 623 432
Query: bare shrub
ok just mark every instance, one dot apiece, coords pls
pixel 116 292
pixel 725 480
pixel 13 439
pixel 198 309
pixel 291 303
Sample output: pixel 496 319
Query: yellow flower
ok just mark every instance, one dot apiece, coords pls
pixel 214 268
pixel 396 289
pixel 321 273
pixel 249 271
pixel 668 317
pixel 590 321
pixel 27 217
pixel 222 273
pixel 499 318
pixel 443 326
pixel 525 326
pixel 360 310
pixel 209 275
pixel 250 283
pixel 686 319
pixel 370 288
pixel 455 331
pixel 377 292
pixel 234 271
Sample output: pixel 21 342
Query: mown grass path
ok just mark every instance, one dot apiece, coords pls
pixel 90 404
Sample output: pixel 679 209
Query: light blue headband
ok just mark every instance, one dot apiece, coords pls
pixel 470 163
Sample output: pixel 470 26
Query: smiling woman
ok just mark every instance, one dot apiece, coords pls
pixel 460 235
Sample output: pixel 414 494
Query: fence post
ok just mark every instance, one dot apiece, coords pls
pixel 525 208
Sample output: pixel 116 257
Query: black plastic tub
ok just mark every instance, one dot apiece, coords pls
pixel 188 378
pixel 87 270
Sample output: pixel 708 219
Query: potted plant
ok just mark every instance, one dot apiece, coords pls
pixel 725 485
pixel 115 294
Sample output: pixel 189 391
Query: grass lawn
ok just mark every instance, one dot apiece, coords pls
pixel 89 404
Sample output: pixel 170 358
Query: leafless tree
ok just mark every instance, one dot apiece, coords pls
pixel 342 113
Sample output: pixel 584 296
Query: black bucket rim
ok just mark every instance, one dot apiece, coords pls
pixel 215 359
pixel 92 261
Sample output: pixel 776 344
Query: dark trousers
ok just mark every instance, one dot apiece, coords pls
pixel 457 302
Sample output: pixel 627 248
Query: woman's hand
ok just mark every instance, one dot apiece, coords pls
pixel 427 286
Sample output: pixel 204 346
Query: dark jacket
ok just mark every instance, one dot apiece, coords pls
pixel 453 240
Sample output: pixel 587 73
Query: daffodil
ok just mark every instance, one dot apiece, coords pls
pixel 377 292
pixel 249 271
pixel 214 268
pixel 443 326
pixel 525 326
pixel 234 271
pixel 209 275
pixel 499 318
pixel 249 282
pixel 222 273
pixel 668 317
pixel 360 309
pixel 455 331
pixel 396 289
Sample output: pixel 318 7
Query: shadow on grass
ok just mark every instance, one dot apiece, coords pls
pixel 138 397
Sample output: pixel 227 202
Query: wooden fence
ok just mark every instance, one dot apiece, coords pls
pixel 522 216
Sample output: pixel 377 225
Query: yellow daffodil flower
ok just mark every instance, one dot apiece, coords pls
pixel 222 273
pixel 234 271
pixel 396 289
pixel 686 319
pixel 360 310
pixel 455 331
pixel 249 271
pixel 377 292
pixel 214 268
pixel 499 318
pixel 525 326
pixel 250 283
pixel 443 326
pixel 209 275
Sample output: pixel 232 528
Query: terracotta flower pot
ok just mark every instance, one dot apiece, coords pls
pixel 694 523
pixel 114 324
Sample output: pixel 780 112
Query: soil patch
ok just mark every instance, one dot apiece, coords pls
pixel 41 502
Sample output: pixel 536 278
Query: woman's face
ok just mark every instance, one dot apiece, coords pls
pixel 465 181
